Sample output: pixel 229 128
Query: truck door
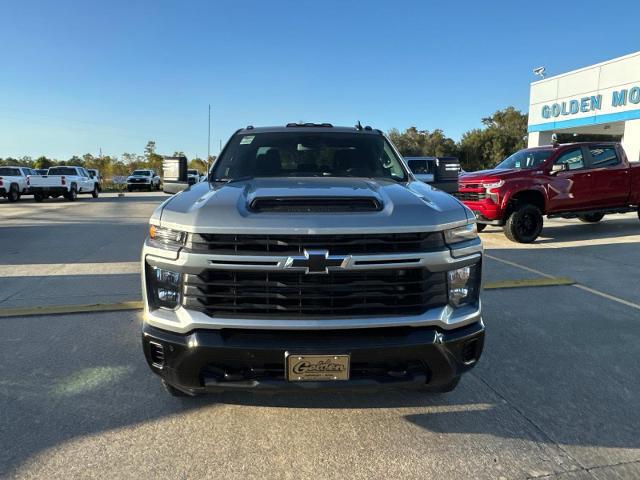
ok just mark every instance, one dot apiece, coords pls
pixel 570 189
pixel 610 177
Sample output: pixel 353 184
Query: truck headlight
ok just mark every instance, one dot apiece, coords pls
pixel 491 185
pixel 461 234
pixel 165 286
pixel 464 285
pixel 166 238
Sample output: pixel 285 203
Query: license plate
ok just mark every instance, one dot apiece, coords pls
pixel 315 368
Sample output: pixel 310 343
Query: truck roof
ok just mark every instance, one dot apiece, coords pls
pixel 309 128
pixel 572 144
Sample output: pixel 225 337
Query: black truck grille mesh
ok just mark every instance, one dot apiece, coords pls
pixel 348 244
pixel 317 204
pixel 291 294
pixel 470 196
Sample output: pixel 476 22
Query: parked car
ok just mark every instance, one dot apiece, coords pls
pixel 194 176
pixel 143 179
pixel 439 172
pixel 312 259
pixel 14 182
pixel 63 181
pixel 585 180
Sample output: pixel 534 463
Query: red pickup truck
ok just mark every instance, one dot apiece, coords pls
pixel 576 180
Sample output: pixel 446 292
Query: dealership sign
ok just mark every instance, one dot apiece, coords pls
pixel 619 98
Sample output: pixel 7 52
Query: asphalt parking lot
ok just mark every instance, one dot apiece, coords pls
pixel 556 394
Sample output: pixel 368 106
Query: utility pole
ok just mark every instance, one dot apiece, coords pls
pixel 209 140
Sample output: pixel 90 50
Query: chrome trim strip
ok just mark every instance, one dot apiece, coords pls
pixel 438 261
pixel 256 230
pixel 183 320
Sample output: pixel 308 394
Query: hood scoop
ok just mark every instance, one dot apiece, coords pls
pixel 323 204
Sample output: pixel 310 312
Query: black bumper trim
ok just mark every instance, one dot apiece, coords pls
pixel 60 190
pixel 213 360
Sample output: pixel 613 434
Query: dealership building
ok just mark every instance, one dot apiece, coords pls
pixel 597 102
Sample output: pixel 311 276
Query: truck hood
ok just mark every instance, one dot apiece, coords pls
pixel 480 175
pixel 404 207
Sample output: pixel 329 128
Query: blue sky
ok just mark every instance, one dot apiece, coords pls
pixel 78 76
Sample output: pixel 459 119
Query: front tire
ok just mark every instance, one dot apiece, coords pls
pixel 591 217
pixel 524 224
pixel 95 191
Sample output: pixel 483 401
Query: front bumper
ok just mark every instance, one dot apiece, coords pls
pixel 135 185
pixel 213 360
pixel 486 211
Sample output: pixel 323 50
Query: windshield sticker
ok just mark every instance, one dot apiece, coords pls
pixel 247 139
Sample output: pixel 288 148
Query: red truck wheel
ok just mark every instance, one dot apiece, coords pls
pixel 524 224
pixel 481 226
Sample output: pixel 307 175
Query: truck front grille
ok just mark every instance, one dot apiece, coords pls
pixel 470 196
pixel 382 292
pixel 471 192
pixel 348 244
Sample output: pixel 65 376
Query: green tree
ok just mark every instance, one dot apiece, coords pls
pixel 150 148
pixel 151 158
pixel 26 161
pixel 42 162
pixel 504 134
pixel 198 164
pixel 422 143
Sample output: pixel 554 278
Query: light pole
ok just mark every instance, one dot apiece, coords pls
pixel 209 140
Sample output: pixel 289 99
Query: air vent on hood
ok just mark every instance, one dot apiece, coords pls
pixel 315 204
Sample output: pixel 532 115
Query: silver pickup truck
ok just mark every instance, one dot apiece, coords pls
pixel 312 258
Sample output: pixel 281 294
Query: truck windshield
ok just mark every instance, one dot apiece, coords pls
pixel 524 159
pixel 308 154
pixel 141 173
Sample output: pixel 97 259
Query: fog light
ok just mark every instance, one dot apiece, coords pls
pixel 464 285
pixel 167 277
pixel 166 286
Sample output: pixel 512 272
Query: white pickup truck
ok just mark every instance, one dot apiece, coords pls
pixel 145 178
pixel 14 182
pixel 65 181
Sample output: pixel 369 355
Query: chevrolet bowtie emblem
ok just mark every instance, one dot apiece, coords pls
pixel 315 261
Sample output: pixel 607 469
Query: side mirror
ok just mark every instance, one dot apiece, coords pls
pixel 424 177
pixel 559 167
